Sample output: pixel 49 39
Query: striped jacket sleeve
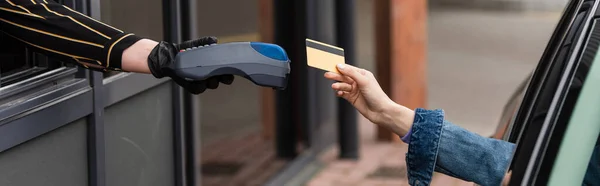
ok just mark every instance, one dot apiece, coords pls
pixel 65 34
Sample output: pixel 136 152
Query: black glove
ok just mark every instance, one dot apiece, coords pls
pixel 164 54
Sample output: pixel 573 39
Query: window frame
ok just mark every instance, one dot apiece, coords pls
pixel 507 122
pixel 123 85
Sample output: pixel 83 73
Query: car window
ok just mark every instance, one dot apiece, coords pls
pixel 576 84
pixel 554 49
pixel 507 119
pixel 542 133
pixel 568 105
pixel 577 158
pixel 544 83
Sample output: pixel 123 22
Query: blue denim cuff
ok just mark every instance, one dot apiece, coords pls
pixel 423 146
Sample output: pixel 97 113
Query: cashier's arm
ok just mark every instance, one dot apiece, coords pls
pixel 135 57
pixel 71 36
pixel 67 35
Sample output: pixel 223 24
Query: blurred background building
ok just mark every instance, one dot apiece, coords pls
pixel 472 55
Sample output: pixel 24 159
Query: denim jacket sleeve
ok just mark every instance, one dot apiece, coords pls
pixel 438 145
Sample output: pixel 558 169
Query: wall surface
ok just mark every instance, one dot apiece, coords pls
pixel 139 139
pixel 57 158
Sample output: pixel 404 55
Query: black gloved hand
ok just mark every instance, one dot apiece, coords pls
pixel 164 54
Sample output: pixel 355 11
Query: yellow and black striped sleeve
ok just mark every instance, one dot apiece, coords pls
pixel 66 34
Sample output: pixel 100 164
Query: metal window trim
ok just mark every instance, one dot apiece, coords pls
pixel 56 114
pixel 39 98
pixel 124 85
pixel 20 73
pixel 36 81
pixel 172 26
pixel 190 105
pixel 96 136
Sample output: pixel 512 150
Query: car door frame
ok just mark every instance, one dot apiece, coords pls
pixel 581 135
pixel 540 74
pixel 530 154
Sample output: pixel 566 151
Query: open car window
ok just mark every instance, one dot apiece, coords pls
pixel 546 118
pixel 542 81
pixel 507 123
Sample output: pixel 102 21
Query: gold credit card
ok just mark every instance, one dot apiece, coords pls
pixel 323 56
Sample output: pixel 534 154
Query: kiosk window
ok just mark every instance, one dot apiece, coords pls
pixel 18 62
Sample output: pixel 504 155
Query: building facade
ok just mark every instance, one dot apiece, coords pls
pixel 68 126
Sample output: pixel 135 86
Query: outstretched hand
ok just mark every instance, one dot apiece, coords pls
pixel 360 88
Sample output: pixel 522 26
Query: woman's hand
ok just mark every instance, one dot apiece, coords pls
pixel 360 88
pixel 506 179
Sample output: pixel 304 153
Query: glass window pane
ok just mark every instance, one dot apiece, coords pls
pixel 142 17
pixel 229 23
pixel 231 114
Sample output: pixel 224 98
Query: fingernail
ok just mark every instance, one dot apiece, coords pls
pixel 340 66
